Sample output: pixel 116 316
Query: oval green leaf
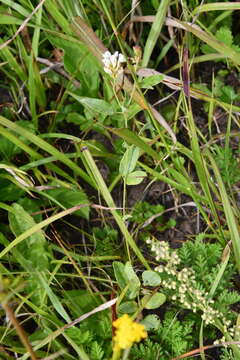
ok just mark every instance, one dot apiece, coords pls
pixel 129 160
pixel 135 178
pixel 151 278
pixel 155 301
pixel 94 105
pixel 151 322
pixel 128 307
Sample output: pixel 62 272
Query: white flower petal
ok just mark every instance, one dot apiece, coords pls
pixel 121 58
pixel 107 55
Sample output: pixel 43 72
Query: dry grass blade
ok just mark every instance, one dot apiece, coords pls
pixel 101 307
pixel 185 73
pixel 58 332
pixel 196 30
pixel 220 46
pixel 177 84
pixel 163 122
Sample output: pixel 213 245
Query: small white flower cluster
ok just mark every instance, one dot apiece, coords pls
pixel 182 282
pixel 113 63
pixel 162 251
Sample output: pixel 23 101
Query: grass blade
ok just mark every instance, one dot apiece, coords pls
pixel 209 39
pixel 37 227
pixel 230 217
pixel 231 6
pixel 93 170
pixel 46 147
pixel 155 31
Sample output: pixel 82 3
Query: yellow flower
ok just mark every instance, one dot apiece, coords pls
pixel 127 332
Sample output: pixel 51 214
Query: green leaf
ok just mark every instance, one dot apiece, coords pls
pixel 132 138
pixel 9 191
pixel 212 41
pixel 132 110
pixel 224 34
pixel 10 20
pixel 81 64
pixel 97 352
pixel 40 143
pixel 119 273
pixel 78 336
pixel 150 81
pixel 32 206
pixel 32 253
pixel 126 277
pixel 133 279
pixel 129 160
pixel 94 105
pixel 53 297
pixel 128 307
pixel 8 149
pixel 151 278
pixel 151 322
pixel 71 197
pixel 76 118
pixel 33 248
pixel 155 301
pixel 136 177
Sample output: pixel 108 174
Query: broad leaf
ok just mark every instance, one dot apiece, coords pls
pixel 150 81
pixel 151 322
pixel 155 301
pixel 151 278
pixel 129 160
pixel 81 64
pixel 126 277
pixel 134 281
pixel 70 198
pixel 128 307
pixel 136 177
pixel 31 253
pixel 94 105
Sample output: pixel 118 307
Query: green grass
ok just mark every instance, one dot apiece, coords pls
pixel 80 151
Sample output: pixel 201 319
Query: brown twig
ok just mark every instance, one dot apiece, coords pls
pixel 203 348
pixel 20 331
pixel 58 68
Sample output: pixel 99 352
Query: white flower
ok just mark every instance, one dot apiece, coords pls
pixel 113 63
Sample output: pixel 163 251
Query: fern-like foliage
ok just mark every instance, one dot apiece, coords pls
pixel 224 300
pixel 96 352
pixel 204 259
pixel 227 355
pixel 172 338
pixel 106 240
pixel 175 334
pixel 78 336
pixel 198 253
pixel 148 350
pixel 224 35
